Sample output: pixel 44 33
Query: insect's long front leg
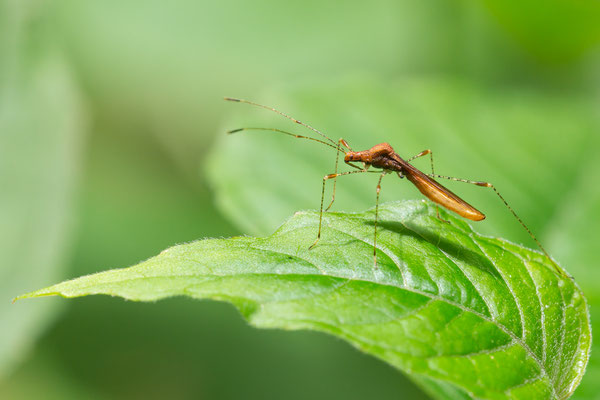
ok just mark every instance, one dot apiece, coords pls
pixel 421 154
pixel 341 142
pixel 489 185
pixel 376 219
pixel 325 179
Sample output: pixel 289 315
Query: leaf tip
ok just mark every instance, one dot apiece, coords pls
pixel 34 294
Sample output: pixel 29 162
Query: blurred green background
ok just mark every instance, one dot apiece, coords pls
pixel 112 148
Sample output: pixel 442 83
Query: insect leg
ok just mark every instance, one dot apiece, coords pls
pixel 489 185
pixel 376 218
pixel 421 154
pixel 325 179
pixel 337 157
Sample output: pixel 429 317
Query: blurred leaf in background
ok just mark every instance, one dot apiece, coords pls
pixel 529 144
pixel 41 126
pixel 555 31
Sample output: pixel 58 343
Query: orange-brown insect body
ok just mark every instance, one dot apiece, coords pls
pixel 383 156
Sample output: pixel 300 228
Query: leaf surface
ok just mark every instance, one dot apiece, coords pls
pixel 465 315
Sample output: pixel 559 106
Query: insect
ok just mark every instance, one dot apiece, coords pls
pixel 383 157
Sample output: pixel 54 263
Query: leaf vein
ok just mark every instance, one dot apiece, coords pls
pixel 470 355
pixel 542 314
pixel 508 286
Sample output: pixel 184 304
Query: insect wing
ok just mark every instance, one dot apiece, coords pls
pixel 441 195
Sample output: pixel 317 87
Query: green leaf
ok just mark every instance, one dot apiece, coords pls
pixel 465 315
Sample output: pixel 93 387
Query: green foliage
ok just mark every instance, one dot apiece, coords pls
pixel 41 125
pixel 152 74
pixel 465 315
pixel 553 30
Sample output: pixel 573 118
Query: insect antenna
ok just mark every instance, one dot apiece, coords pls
pixel 287 133
pixel 282 114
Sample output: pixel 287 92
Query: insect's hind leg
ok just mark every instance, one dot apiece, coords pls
pixel 376 219
pixel 489 185
pixel 421 154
